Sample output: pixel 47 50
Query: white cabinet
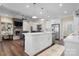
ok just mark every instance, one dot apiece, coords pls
pixel 35 42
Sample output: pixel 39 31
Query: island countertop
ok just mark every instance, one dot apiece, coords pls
pixel 37 32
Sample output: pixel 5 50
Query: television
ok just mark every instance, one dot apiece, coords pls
pixel 17 23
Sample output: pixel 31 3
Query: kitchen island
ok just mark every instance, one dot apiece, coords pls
pixel 71 43
pixel 38 41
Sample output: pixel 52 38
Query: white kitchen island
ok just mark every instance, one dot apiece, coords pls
pixel 35 42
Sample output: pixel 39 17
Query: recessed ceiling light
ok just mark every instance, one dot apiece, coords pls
pixel 65 12
pixel 40 12
pixel 60 5
pixel 34 17
pixel 27 6
pixel 42 19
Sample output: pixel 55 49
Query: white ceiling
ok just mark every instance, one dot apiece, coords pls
pixel 50 9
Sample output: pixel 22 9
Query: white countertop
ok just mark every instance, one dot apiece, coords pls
pixel 39 33
pixel 72 38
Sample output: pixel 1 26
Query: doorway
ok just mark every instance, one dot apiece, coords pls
pixel 56 30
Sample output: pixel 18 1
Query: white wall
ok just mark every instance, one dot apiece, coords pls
pixel 27 25
pixel 67 25
pixel 76 24
pixel 6 20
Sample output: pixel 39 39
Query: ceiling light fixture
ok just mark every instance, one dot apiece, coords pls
pixel 34 3
pixel 60 5
pixel 42 8
pixel 34 17
pixel 42 19
pixel 40 12
pixel 27 6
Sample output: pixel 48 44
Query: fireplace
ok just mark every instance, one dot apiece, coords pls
pixel 17 33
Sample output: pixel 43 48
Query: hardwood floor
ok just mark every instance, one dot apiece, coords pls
pixel 12 48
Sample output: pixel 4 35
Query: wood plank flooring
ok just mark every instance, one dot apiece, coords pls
pixel 15 48
pixel 12 48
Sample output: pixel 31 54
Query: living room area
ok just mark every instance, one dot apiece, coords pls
pixel 11 40
pixel 11 28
